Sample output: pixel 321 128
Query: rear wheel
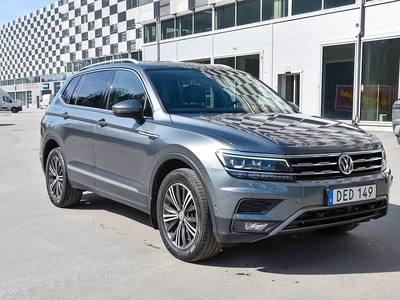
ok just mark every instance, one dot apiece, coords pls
pixel 184 217
pixel 340 228
pixel 60 191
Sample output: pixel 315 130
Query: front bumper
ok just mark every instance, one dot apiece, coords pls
pixel 296 206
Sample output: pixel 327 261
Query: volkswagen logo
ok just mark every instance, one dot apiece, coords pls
pixel 345 164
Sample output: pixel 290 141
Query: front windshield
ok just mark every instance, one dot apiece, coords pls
pixel 214 90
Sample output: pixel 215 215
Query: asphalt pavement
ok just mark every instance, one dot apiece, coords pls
pixel 104 250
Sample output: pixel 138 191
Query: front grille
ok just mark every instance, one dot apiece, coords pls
pixel 326 165
pixel 323 217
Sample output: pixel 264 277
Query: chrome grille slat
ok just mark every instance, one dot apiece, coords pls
pixel 326 166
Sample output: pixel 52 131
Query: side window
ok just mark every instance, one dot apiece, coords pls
pixel 6 99
pixel 67 93
pixel 127 86
pixel 93 89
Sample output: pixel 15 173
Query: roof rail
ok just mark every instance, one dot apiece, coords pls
pixel 114 61
pixel 222 66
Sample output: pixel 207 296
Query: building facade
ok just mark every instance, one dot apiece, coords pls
pixel 333 58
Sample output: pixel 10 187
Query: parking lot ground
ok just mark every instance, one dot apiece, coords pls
pixel 104 250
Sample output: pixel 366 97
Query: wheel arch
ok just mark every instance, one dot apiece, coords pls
pixel 48 146
pixel 169 163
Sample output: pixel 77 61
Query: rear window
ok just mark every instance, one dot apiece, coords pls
pixel 93 89
pixel 66 96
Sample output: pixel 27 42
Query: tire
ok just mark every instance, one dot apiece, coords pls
pixel 340 228
pixel 14 110
pixel 60 191
pixel 184 218
pixel 398 139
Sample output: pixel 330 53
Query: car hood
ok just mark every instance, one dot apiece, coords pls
pixel 291 133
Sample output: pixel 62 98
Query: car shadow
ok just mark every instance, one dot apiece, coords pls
pixel 91 201
pixel 373 247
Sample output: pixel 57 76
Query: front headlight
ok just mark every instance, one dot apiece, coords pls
pixel 384 160
pixel 256 166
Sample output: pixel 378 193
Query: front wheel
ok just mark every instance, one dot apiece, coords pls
pixel 60 191
pixel 184 217
pixel 14 110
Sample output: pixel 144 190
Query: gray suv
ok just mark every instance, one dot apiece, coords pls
pixel 212 154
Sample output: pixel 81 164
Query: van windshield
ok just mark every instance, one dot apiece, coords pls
pixel 214 90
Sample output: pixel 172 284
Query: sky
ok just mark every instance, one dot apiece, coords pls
pixel 13 9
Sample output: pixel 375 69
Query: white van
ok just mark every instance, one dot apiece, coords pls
pixel 8 103
pixel 46 100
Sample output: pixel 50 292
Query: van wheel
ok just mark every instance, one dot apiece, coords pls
pixel 340 228
pixel 60 191
pixel 184 217
pixel 14 110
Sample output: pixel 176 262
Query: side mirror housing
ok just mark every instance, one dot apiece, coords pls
pixel 129 109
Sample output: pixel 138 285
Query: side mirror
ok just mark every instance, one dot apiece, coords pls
pixel 294 106
pixel 129 109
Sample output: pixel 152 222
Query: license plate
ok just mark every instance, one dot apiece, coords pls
pixel 351 194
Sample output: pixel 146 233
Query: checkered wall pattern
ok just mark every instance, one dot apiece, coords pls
pixel 42 42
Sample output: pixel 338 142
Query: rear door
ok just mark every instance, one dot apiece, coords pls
pixel 84 99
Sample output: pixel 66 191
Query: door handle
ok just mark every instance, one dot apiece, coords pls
pixel 102 122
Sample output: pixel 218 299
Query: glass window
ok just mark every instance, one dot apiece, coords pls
pixel 97 14
pixel 92 90
pixel 131 24
pixel 122 37
pixel 150 33
pixel 98 32
pixel 167 29
pixel 337 82
pixel 248 11
pixel 184 25
pixel 305 6
pixel 337 3
pixel 380 79
pixel 113 9
pixel 121 17
pixel 202 21
pixel 225 16
pixel 131 4
pixel 67 93
pixel 164 7
pixel 214 91
pixel 227 61
pixel 273 9
pixel 247 63
pixel 127 86
pixel 289 87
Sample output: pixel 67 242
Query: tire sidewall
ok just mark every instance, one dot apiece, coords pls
pixel 180 176
pixel 56 153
